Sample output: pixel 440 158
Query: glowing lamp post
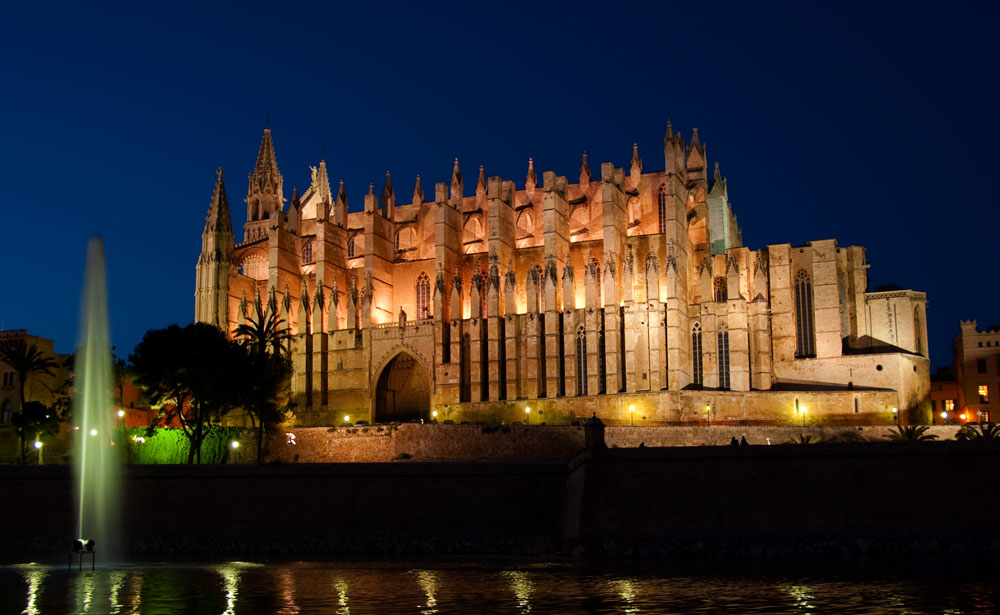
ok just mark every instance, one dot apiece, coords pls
pixel 527 415
pixel 895 415
pixel 434 415
pixel 708 414
pixel 347 419
pixel 631 412
pixel 38 447
pixel 802 409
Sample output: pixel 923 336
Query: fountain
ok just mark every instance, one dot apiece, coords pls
pixel 96 466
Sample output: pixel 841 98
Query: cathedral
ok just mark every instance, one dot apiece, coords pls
pixel 629 294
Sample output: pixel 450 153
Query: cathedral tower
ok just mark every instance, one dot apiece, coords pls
pixel 212 289
pixel 264 194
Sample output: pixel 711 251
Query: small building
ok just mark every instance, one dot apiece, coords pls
pixel 977 371
pixel 39 387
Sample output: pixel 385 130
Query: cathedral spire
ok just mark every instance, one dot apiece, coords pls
pixel 388 198
pixel 670 132
pixel 481 184
pixel 531 178
pixel 340 206
pixel 584 171
pixel 457 187
pixel 267 162
pixel 218 219
pixel 696 142
pixel 418 192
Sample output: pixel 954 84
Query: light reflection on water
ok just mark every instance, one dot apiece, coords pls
pixel 461 587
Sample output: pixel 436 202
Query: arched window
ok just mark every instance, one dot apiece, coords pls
pixel 805 330
pixel 423 296
pixel 723 340
pixel 350 247
pixel 254 266
pixel 719 285
pixel 661 209
pixel 918 332
pixel 581 361
pixel 307 253
pixel 696 365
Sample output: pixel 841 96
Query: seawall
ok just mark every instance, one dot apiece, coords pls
pixel 793 499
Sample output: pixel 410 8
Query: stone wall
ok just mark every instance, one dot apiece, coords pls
pixel 430 442
pixel 805 500
pixel 316 509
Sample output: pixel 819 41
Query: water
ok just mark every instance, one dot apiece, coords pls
pixel 490 586
pixel 95 466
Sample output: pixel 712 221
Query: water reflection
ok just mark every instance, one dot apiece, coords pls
pixel 428 582
pixel 33 576
pixel 287 581
pixel 231 582
pixel 626 591
pixel 341 586
pixel 801 598
pixel 522 587
pixel 460 587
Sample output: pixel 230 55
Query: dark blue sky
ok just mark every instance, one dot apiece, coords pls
pixel 871 125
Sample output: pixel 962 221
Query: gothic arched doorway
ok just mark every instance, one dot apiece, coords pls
pixel 402 393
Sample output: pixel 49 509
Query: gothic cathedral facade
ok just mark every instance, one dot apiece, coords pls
pixel 629 295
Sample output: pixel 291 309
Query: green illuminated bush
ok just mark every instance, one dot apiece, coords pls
pixel 170 446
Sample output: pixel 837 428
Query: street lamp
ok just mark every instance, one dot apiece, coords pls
pixel 527 415
pixel 631 411
pixel 802 409
pixel 434 415
pixel 708 414
pixel 895 415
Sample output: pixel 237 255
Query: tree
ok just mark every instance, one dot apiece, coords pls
pixel 189 374
pixel 265 369
pixel 27 360
pixel 35 418
pixel 911 433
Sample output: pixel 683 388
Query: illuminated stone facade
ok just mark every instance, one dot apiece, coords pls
pixel 630 295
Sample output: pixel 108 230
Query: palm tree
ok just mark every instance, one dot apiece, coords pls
pixel 262 332
pixel 911 433
pixel 267 366
pixel 981 432
pixel 804 438
pixel 26 360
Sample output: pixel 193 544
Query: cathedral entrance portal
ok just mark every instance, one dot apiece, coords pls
pixel 403 393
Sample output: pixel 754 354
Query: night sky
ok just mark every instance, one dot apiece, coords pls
pixel 873 126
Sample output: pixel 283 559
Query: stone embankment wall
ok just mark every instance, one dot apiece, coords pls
pixel 380 443
pixel 440 442
pixel 314 510
pixel 834 499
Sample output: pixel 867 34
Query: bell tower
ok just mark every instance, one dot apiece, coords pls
pixel 215 261
pixel 264 194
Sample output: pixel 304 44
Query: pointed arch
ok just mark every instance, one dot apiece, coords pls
pixel 423 295
pixel 697 373
pixel 661 209
pixel 720 289
pixel 581 361
pixel 307 252
pixel 722 339
pixel 402 390
pixel 805 328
